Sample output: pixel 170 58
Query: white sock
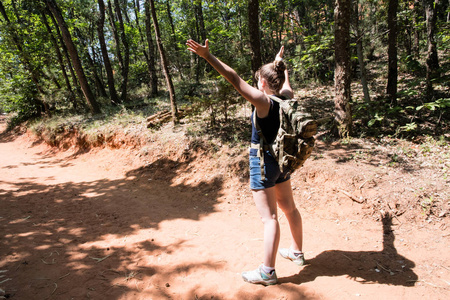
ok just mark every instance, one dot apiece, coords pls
pixel 267 270
pixel 296 252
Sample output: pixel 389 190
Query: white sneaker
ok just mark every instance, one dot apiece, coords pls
pixel 297 258
pixel 258 276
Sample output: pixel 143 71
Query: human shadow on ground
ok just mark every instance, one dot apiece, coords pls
pixel 75 239
pixel 383 267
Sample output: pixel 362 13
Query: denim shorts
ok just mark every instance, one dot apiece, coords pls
pixel 271 171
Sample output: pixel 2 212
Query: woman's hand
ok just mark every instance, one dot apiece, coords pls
pixel 280 54
pixel 198 49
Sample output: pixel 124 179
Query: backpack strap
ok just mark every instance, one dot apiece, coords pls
pixel 259 146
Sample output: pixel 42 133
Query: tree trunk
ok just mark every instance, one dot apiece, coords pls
pixel 59 57
pixel 253 30
pixel 151 52
pixel 416 39
pixel 164 64
pixel 432 56
pixel 126 47
pixel 200 22
pixel 342 109
pixel 116 38
pixel 106 61
pixel 66 54
pixel 360 54
pixel 391 89
pixel 92 103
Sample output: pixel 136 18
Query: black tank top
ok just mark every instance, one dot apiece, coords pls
pixel 269 125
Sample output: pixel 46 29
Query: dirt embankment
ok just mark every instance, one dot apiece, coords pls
pixel 171 217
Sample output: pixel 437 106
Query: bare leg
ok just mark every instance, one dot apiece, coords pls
pixel 266 204
pixel 286 203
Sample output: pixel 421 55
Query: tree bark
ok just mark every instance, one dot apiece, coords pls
pixel 432 56
pixel 200 23
pixel 151 52
pixel 391 89
pixel 126 47
pixel 169 83
pixel 416 37
pixel 92 103
pixel 253 30
pixel 360 54
pixel 106 61
pixel 66 54
pixel 116 38
pixel 59 57
pixel 342 108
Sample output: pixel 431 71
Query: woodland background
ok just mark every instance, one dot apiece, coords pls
pixel 88 60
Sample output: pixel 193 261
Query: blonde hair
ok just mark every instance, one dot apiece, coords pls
pixel 273 73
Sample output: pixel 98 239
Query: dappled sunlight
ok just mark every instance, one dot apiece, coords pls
pixel 104 229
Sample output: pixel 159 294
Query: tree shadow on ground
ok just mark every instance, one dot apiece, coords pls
pixel 383 267
pixel 372 154
pixel 74 239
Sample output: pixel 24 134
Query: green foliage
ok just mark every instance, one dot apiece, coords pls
pixel 438 104
pixel 314 58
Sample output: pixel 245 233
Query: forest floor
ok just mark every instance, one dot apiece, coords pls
pixel 175 220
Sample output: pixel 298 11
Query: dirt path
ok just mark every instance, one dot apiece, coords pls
pixel 102 225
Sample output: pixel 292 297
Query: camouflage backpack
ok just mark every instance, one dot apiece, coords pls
pixel 295 138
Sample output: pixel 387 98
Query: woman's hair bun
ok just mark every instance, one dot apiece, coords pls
pixel 279 66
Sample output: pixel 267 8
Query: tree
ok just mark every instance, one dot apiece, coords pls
pixel 126 58
pixel 106 61
pixel 151 51
pixel 92 103
pixel 253 31
pixel 432 62
pixel 360 53
pixel 342 109
pixel 164 63
pixel 391 89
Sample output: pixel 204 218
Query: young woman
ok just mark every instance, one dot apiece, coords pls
pixel 275 188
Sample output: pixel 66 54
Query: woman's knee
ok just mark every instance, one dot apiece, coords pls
pixel 270 219
pixel 288 207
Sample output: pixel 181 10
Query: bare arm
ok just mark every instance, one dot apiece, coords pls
pixel 286 89
pixel 253 95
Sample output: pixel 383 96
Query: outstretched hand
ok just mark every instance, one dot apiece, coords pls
pixel 280 54
pixel 198 49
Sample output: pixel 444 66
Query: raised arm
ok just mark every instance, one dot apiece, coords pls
pixel 251 94
pixel 286 89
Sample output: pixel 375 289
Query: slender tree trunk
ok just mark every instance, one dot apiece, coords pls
pixel 164 64
pixel 137 12
pixel 151 52
pixel 391 89
pixel 432 56
pixel 92 103
pixel 106 61
pixel 98 79
pixel 59 57
pixel 342 108
pixel 58 52
pixel 416 38
pixel 360 54
pixel 92 65
pixel 112 22
pixel 200 22
pixel 75 84
pixel 253 30
pixel 126 48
